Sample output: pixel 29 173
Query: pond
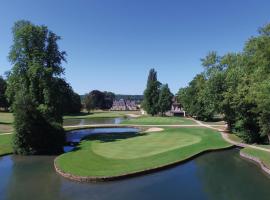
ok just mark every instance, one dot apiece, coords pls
pixel 101 120
pixel 217 175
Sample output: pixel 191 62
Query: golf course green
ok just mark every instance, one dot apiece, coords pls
pixel 112 155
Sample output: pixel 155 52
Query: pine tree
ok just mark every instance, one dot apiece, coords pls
pixel 165 99
pixel 151 94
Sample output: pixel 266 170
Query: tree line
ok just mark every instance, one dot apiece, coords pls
pixel 157 97
pixel 236 86
pixel 98 100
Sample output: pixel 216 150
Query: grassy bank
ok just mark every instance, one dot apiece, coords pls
pixel 263 156
pixel 5 144
pixel 117 154
pixel 148 120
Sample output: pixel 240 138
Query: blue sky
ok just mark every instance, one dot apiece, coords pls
pixel 112 44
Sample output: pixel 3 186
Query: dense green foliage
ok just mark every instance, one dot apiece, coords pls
pixel 3 100
pixel 157 97
pixel 98 100
pixel 31 88
pixel 116 154
pixel 165 99
pixel 236 85
pixel 69 101
pixel 151 94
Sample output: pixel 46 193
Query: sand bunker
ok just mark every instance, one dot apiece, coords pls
pixel 153 129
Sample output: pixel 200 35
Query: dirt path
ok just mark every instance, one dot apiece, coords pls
pixel 226 137
pixel 5 134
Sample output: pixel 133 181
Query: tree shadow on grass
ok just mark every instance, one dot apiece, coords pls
pixel 112 137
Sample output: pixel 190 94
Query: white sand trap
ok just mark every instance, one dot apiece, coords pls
pixel 153 129
pixel 133 115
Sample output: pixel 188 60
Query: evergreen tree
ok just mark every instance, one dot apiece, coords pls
pixel 3 100
pixel 31 88
pixel 151 94
pixel 165 99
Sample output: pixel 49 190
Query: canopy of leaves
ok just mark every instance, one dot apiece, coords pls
pixel 98 100
pixel 32 89
pixel 236 85
pixel 165 99
pixel 3 100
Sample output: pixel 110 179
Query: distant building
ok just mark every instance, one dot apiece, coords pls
pixel 124 105
pixel 177 109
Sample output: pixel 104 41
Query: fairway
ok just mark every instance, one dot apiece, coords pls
pixel 148 120
pixel 117 154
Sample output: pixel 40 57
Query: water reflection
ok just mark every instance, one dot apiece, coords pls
pixel 231 178
pixel 219 175
pixel 77 122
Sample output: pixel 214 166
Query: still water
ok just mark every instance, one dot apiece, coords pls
pixel 217 175
pixel 77 122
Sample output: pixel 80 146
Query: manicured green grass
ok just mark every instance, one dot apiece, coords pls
pixel 5 144
pixel 267 146
pixel 135 147
pixel 101 114
pixel 215 123
pixel 234 137
pixel 148 120
pixel 116 154
pixel 264 156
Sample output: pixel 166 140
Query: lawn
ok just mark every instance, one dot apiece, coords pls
pixel 100 114
pixel 262 155
pixel 234 137
pixel 267 146
pixel 117 154
pixel 5 144
pixel 148 120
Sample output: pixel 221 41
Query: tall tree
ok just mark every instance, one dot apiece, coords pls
pixel 151 94
pixel 108 99
pixel 94 100
pixel 237 86
pixel 3 100
pixel 36 61
pixel 165 99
